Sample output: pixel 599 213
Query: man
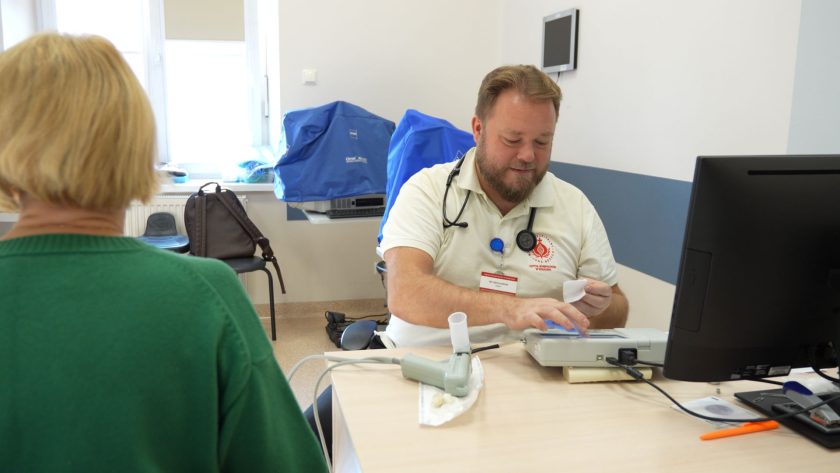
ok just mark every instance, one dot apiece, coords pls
pixel 479 262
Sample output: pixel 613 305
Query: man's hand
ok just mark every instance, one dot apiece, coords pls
pixel 597 298
pixel 526 313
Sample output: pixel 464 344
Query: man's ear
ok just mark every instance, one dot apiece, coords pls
pixel 476 127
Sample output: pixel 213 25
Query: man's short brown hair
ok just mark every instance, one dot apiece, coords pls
pixel 527 79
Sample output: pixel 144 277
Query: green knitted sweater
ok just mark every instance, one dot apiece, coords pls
pixel 116 356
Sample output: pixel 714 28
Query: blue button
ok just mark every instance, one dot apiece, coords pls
pixel 497 245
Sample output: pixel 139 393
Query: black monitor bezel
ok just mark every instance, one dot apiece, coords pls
pixel 698 343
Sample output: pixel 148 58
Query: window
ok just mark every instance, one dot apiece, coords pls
pixel 209 95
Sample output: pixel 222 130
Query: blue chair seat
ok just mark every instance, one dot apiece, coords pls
pixel 176 243
pixel 162 233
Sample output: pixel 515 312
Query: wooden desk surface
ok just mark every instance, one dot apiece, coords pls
pixel 528 419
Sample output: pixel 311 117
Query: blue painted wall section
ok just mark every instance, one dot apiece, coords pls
pixel 644 215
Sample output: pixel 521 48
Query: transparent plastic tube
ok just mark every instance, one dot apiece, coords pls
pixel 459 333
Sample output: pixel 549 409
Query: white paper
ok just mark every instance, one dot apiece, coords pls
pixel 574 291
pixel 437 408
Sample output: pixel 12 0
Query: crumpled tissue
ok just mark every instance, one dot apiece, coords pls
pixel 436 407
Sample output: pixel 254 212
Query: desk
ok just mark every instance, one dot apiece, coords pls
pixel 528 419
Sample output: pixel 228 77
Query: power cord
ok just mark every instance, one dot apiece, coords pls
pixel 820 373
pixel 361 317
pixel 488 347
pixel 637 375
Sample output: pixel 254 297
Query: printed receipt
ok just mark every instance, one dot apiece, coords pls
pixel 574 290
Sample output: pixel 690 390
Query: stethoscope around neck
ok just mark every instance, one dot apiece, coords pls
pixel 526 240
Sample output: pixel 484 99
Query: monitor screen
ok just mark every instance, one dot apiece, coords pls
pixel 559 45
pixel 758 289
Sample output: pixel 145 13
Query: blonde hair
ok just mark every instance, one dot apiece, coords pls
pixel 527 79
pixel 76 128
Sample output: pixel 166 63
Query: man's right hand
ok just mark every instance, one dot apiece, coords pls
pixel 525 313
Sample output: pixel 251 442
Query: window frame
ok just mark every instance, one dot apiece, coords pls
pixel 259 32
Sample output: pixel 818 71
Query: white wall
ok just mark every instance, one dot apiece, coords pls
pixel 660 82
pixel 387 56
pixel 384 56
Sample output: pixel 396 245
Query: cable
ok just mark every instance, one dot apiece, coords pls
pixel 768 381
pixel 366 316
pixel 367 359
pixel 636 374
pixel 376 360
pixel 488 347
pixel 650 363
pixel 819 372
pixel 339 361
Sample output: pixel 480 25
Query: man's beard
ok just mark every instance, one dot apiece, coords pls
pixel 523 185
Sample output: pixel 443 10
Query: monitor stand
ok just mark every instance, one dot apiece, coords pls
pixel 772 403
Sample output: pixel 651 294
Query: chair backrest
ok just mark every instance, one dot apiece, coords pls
pixel 420 141
pixel 160 224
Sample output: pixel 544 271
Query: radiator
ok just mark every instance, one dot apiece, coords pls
pixel 138 212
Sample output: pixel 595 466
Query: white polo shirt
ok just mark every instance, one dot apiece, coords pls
pixel 571 242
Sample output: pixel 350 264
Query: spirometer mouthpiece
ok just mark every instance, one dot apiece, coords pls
pixel 459 333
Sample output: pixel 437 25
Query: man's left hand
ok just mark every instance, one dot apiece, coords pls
pixel 597 298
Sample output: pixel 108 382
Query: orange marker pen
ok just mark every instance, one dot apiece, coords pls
pixel 742 429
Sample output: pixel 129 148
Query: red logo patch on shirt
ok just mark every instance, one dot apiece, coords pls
pixel 542 254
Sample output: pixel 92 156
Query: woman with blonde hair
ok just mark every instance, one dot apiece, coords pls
pixel 114 355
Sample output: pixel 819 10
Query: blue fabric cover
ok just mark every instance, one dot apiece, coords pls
pixel 332 151
pixel 420 141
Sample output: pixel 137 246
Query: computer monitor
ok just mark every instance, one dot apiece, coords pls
pixel 758 290
pixel 559 41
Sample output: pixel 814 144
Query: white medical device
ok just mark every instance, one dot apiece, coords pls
pixel 557 347
pixel 452 375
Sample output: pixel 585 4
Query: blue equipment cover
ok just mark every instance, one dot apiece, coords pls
pixel 332 151
pixel 420 141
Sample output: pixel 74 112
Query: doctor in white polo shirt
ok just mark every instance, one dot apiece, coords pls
pixel 496 236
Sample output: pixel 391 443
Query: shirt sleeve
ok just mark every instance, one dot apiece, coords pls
pixel 416 219
pixel 596 256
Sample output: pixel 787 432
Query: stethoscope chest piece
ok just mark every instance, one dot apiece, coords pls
pixel 526 240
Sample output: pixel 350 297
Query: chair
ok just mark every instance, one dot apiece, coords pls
pixel 419 141
pixel 255 263
pixel 162 232
pixel 219 228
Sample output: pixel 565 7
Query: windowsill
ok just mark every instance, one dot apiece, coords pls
pixel 192 186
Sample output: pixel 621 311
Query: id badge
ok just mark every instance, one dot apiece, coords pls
pixel 500 283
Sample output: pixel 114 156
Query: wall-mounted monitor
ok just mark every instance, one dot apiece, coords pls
pixel 559 41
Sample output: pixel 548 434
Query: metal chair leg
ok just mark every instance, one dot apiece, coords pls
pixel 271 302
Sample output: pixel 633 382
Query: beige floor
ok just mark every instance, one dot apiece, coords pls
pixel 301 332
